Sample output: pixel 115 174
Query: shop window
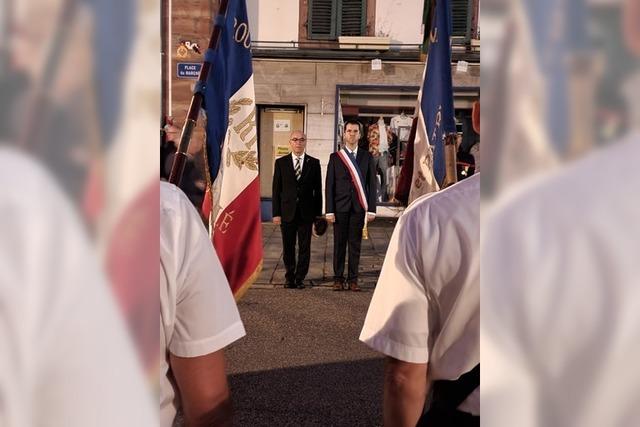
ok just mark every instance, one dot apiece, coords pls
pixel 329 19
pixel 386 113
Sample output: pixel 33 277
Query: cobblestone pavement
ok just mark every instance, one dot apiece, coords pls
pixel 321 267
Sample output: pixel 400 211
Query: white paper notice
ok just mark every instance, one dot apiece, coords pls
pixel 282 125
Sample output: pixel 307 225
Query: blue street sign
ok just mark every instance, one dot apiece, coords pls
pixel 189 70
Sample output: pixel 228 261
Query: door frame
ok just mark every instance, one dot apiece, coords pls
pixel 265 202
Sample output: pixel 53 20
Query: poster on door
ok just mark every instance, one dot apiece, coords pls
pixel 281 125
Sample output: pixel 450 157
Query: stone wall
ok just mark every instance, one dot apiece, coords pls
pixel 313 84
pixel 191 20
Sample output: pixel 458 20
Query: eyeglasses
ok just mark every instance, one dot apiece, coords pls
pixel 298 139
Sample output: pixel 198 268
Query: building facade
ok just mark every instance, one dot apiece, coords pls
pixel 319 62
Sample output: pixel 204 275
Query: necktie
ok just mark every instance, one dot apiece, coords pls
pixel 298 169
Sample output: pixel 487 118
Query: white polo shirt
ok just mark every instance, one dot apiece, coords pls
pixel 198 314
pixel 426 305
pixel 561 297
pixel 65 357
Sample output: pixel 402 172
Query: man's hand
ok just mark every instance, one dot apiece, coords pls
pixel 330 218
pixel 277 220
pixel 370 217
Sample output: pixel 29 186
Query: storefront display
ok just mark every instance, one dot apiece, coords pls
pixel 386 114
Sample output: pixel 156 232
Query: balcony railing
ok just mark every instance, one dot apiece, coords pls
pixel 352 48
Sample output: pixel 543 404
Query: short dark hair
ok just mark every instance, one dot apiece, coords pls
pixel 353 122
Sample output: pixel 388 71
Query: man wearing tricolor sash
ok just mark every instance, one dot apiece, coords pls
pixel 351 199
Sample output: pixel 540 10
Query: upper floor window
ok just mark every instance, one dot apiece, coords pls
pixel 461 19
pixel 329 19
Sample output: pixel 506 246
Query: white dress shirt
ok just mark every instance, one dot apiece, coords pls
pixel 354 151
pixel 294 157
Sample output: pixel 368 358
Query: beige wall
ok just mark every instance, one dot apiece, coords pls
pixel 401 20
pixel 273 20
pixel 278 20
pixel 313 84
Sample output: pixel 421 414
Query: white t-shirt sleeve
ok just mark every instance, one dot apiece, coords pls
pixel 206 317
pixel 395 324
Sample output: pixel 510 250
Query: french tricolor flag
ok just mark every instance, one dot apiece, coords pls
pixel 232 203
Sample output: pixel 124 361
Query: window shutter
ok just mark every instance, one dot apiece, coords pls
pixel 353 17
pixel 321 23
pixel 461 18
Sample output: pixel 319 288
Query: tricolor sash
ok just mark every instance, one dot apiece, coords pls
pixel 356 177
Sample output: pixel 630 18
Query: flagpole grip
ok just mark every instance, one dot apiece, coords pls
pixel 180 158
pixel 35 110
pixel 451 172
pixel 177 168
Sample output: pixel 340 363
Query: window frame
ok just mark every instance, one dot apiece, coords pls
pixel 336 20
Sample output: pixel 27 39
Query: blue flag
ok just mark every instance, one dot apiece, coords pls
pixel 559 29
pixel 436 104
pixel 230 71
pixel 112 50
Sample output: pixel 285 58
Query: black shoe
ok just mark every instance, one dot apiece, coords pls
pixel 290 285
pixel 300 285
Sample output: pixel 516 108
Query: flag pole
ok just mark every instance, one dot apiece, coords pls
pixel 450 163
pixel 180 158
pixel 405 177
pixel 35 103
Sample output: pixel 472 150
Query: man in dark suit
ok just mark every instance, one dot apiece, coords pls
pixel 297 201
pixel 351 200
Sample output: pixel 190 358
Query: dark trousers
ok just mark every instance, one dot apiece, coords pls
pixel 447 396
pixel 347 231
pixel 301 230
pixel 446 418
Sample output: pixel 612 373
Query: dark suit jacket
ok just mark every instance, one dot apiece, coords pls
pixel 289 194
pixel 340 192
